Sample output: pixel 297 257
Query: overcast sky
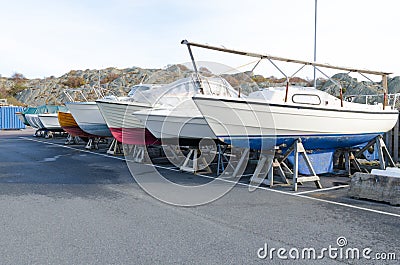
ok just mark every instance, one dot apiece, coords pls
pixel 45 37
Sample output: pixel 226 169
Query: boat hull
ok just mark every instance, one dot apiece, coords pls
pixel 124 126
pixel 258 125
pixel 50 121
pixel 34 121
pixel 68 124
pixel 185 128
pixel 136 136
pixel 117 114
pixel 88 117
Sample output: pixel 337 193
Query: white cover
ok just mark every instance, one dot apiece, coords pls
pixel 117 111
pixel 174 114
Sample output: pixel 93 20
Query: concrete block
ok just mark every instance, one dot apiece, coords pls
pixel 375 187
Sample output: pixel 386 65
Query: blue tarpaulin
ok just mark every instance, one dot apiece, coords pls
pixel 321 160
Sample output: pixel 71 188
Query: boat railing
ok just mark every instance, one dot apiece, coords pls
pixel 314 64
pixel 71 94
pixel 392 100
pixel 110 94
pixel 211 85
pixel 78 95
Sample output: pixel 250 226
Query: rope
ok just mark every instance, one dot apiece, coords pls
pixel 241 66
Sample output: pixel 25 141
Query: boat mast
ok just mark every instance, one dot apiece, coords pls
pixel 276 58
pixel 198 82
pixel 384 75
pixel 315 44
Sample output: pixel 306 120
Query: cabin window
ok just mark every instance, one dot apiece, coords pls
pixel 309 99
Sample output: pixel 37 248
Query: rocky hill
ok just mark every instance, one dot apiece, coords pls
pixel 80 84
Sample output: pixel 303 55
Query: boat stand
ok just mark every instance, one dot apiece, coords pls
pixel 350 156
pixel 350 159
pixel 72 140
pixel 265 175
pixel 234 166
pixel 265 168
pixel 138 153
pixel 382 152
pixel 194 164
pixel 222 159
pixel 93 143
pixel 298 148
pixel 172 153
pixel 48 134
pixel 244 156
pixel 115 148
pixel 39 133
pixel 127 149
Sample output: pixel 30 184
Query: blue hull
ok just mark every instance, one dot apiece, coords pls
pixel 97 129
pixel 310 142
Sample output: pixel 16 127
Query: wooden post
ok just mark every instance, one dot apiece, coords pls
pixel 396 142
pixel 341 96
pixel 389 141
pixel 287 90
pixel 388 135
pixel 385 87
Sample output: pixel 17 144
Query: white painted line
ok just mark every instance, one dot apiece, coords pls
pixel 348 205
pixel 325 189
pixel 73 148
pixel 298 194
pixel 94 153
pixel 167 168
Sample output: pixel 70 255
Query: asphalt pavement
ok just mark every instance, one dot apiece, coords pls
pixel 66 205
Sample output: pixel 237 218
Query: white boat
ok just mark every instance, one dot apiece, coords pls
pixel 278 116
pixel 50 121
pixel 43 117
pixel 117 112
pixel 34 121
pixel 175 116
pixel 264 119
pixel 89 118
pixel 27 110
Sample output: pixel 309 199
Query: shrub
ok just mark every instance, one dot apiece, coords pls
pixel 19 83
pixel 109 78
pixel 15 102
pixel 17 87
pixel 258 78
pixel 18 77
pixel 72 72
pixel 3 92
pixel 74 82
